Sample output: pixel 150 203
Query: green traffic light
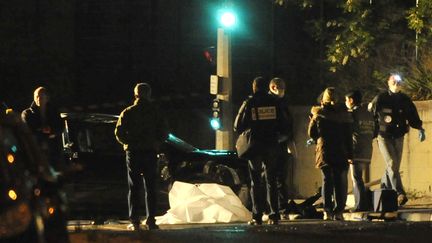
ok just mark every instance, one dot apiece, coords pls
pixel 228 19
pixel 215 123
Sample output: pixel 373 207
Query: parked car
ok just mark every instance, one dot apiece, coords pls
pixel 31 205
pixel 99 190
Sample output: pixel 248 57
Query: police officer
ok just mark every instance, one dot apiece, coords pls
pixel 363 128
pixel 285 141
pixel 260 113
pixel 394 113
pixel 141 130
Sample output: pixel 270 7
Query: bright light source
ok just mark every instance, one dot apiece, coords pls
pixel 12 194
pixel 51 210
pixel 228 19
pixel 10 158
pixel 215 123
pixel 397 78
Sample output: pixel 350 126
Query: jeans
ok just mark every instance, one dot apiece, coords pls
pixel 141 174
pixel 391 150
pixel 283 160
pixel 263 188
pixel 359 189
pixel 334 184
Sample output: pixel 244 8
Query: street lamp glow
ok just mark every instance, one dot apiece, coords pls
pixel 215 123
pixel 228 19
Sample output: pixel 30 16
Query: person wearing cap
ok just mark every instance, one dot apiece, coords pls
pixel 363 128
pixel 141 129
pixel 394 113
pixel 330 127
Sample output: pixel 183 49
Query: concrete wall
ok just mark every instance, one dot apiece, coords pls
pixel 416 164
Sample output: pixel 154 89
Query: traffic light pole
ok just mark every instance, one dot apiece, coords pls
pixel 224 136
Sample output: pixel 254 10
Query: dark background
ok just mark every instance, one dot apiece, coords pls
pixel 91 53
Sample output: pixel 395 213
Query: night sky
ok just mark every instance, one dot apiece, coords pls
pixel 92 52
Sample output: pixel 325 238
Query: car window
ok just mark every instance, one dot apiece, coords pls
pixel 93 137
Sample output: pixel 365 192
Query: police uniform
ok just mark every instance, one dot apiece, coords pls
pixel 363 129
pixel 261 113
pixel 394 113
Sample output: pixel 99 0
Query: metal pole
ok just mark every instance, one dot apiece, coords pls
pixel 224 137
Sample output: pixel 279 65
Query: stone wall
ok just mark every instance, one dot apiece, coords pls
pixel 416 164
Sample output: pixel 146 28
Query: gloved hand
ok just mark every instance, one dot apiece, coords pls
pixel 422 135
pixel 309 142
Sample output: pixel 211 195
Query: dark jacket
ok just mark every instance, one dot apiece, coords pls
pixel 33 118
pixel 363 130
pixel 47 132
pixel 141 126
pixel 286 132
pixel 331 128
pixel 260 113
pixel 394 113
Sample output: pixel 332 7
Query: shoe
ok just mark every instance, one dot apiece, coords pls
pixel 255 222
pixel 134 227
pixel 327 216
pixel 273 222
pixel 152 226
pixel 402 199
pixel 284 216
pixel 338 216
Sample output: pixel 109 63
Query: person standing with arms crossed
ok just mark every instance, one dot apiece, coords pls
pixel 141 130
pixel 394 113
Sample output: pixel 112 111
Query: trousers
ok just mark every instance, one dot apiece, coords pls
pixel 262 171
pixel 334 186
pixel 141 174
pixel 391 150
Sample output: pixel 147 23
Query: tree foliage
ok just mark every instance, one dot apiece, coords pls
pixel 377 37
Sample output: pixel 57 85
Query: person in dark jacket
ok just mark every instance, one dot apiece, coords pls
pixel 45 122
pixel 394 113
pixel 260 113
pixel 331 128
pixel 363 128
pixel 141 130
pixel 285 141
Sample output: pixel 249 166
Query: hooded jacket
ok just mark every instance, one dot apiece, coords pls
pixel 331 128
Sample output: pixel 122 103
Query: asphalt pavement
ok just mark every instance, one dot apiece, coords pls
pixel 410 223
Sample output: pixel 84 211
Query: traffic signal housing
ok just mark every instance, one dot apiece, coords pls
pixel 216 119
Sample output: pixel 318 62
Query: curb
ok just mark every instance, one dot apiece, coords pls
pixel 414 215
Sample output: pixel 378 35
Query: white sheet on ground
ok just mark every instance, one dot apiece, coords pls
pixel 203 203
